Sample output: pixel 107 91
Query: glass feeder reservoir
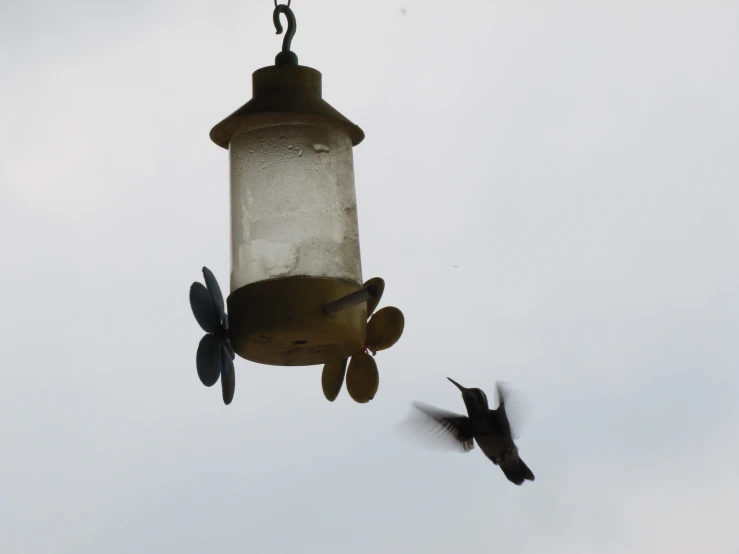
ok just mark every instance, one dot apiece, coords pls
pixel 294 229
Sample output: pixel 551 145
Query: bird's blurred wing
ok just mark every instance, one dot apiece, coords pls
pixel 439 428
pixel 513 403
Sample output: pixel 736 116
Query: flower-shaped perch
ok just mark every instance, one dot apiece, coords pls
pixel 384 329
pixel 215 355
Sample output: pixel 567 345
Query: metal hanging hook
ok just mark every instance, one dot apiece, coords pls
pixel 286 57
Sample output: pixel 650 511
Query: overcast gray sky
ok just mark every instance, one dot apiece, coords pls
pixel 549 190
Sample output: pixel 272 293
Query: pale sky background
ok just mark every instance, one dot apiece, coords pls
pixel 578 162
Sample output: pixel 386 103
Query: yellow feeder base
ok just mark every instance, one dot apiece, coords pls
pixel 281 321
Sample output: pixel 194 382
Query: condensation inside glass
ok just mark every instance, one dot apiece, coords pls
pixel 293 204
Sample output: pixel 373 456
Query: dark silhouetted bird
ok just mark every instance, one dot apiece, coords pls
pixel 490 428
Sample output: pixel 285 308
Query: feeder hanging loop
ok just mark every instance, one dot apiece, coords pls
pixel 286 57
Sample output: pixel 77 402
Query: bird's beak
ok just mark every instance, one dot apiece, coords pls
pixel 460 387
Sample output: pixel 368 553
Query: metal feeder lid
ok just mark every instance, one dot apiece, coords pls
pixel 283 89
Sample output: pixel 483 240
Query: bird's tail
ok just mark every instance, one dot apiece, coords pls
pixel 518 472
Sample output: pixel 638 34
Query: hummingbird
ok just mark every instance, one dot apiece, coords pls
pixel 489 428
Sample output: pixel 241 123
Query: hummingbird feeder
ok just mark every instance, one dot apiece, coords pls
pixel 297 293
